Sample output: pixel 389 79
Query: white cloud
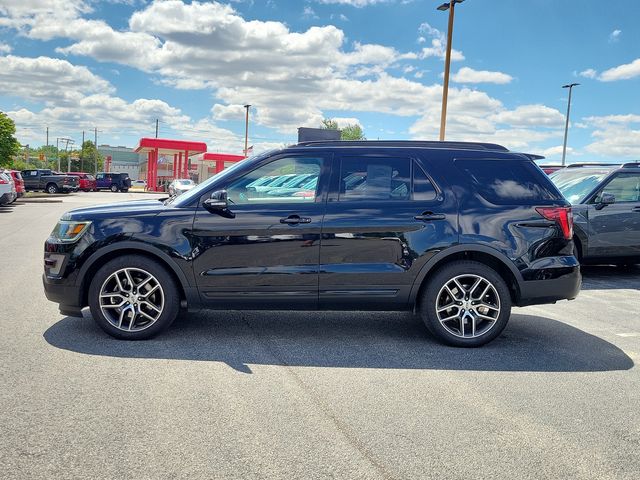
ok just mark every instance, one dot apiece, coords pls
pixel 469 75
pixel 530 115
pixel 621 72
pixel 5 48
pixel 555 153
pixel 354 3
pixel 308 12
pixel 615 136
pixel 615 36
pixel 588 73
pixel 346 121
pixel 49 80
pixel 438 44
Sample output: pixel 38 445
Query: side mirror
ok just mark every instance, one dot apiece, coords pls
pixel 218 203
pixel 606 199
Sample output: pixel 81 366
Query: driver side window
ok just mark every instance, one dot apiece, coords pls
pixel 286 180
pixel 624 187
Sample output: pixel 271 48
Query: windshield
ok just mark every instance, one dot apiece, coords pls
pixel 189 196
pixel 576 184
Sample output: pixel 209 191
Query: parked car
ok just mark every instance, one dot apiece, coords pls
pixel 49 181
pixel 549 169
pixel 458 232
pixel 116 182
pixel 139 184
pixel 606 210
pixel 180 185
pixel 18 181
pixel 8 192
pixel 87 181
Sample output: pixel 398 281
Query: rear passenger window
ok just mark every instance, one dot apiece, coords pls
pixel 423 189
pixel 507 182
pixel 375 178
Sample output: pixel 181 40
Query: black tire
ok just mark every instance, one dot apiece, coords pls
pixel 124 190
pixel 166 281
pixel 114 188
pixel 436 287
pixel 52 188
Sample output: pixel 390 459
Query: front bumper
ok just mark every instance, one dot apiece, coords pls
pixel 550 279
pixel 66 296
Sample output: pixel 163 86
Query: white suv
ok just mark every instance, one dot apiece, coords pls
pixel 8 192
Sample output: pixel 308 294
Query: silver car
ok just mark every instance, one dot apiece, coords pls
pixel 180 185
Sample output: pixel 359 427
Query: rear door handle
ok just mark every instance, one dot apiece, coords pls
pixel 429 216
pixel 636 209
pixel 295 219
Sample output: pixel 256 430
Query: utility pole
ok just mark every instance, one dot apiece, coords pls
pixel 58 153
pixel 81 155
pixel 156 128
pixel 246 131
pixel 47 136
pixel 447 64
pixel 95 149
pixel 566 121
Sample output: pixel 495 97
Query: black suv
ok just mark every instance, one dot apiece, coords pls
pixel 606 208
pixel 116 182
pixel 458 232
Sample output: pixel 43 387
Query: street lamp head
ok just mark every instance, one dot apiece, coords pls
pixel 570 85
pixel 445 6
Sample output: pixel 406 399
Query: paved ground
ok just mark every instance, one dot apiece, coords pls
pixel 287 395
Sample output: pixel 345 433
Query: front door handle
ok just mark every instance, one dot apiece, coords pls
pixel 429 216
pixel 295 219
pixel 636 209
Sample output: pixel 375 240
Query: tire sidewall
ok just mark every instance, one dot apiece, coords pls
pixel 114 188
pixel 169 287
pixel 429 301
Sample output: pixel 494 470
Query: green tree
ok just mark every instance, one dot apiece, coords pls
pixel 9 145
pixel 349 132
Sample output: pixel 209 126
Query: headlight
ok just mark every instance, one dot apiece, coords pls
pixel 68 231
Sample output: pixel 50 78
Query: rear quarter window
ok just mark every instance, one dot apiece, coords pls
pixel 507 182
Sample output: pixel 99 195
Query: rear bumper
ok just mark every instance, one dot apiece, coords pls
pixel 549 280
pixel 6 198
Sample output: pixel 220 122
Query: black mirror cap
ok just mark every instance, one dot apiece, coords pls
pixel 218 203
pixel 606 199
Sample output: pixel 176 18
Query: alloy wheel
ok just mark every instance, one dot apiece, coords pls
pixel 468 306
pixel 131 299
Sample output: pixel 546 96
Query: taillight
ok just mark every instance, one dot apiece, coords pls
pixel 3 181
pixel 563 216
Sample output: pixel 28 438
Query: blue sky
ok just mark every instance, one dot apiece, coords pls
pixel 118 65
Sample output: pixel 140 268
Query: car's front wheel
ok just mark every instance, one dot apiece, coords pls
pixel 133 298
pixel 466 304
pixel 114 188
pixel 52 188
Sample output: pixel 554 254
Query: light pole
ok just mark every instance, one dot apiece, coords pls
pixel 451 6
pixel 246 131
pixel 566 120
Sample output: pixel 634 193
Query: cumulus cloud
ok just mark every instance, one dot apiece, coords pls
pixel 621 72
pixel 615 36
pixel 438 46
pixel 354 3
pixel 615 136
pixel 588 73
pixel 469 75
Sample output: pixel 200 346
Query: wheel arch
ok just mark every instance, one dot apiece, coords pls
pixel 188 293
pixel 479 253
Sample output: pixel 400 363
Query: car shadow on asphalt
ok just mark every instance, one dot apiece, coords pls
pixel 610 277
pixel 348 340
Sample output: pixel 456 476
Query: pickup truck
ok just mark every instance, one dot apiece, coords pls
pixel 50 182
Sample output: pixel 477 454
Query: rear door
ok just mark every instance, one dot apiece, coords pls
pixel 615 229
pixel 385 217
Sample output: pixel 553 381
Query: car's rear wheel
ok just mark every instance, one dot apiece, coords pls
pixel 466 304
pixel 133 298
pixel 52 188
pixel 114 188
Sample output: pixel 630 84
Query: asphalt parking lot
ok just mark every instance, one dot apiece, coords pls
pixel 322 395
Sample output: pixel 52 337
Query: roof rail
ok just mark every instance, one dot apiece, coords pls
pixel 592 164
pixel 634 164
pixel 403 143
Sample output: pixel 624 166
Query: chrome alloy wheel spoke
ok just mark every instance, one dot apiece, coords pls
pixel 131 299
pixel 468 306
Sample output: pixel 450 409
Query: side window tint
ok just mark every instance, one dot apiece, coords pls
pixel 625 187
pixel 423 189
pixel 374 178
pixel 286 180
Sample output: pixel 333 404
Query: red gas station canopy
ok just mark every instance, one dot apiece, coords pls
pixel 166 146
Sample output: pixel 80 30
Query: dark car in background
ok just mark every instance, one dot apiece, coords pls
pixel 116 182
pixel 458 232
pixel 606 210
pixel 87 181
pixel 18 181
